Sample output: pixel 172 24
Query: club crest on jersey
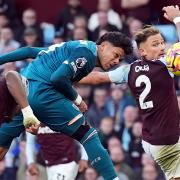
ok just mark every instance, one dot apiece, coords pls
pixel 80 62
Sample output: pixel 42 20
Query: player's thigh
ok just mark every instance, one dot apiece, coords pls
pixel 66 171
pixel 53 109
pixel 11 130
pixel 168 158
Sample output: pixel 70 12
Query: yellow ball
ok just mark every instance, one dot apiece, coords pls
pixel 173 59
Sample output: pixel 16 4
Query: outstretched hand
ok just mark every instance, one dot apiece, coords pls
pixel 170 12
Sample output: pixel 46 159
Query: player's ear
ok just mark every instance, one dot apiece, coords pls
pixel 142 52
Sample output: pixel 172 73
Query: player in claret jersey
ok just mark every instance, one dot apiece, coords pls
pixel 13 99
pixel 153 87
pixel 52 97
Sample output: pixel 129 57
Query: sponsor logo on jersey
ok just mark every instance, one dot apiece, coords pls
pixel 80 62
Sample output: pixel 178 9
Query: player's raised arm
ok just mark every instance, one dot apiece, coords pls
pixel 172 13
pixel 20 54
pixel 95 78
pixel 119 76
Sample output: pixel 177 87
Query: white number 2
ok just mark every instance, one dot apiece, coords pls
pixel 144 79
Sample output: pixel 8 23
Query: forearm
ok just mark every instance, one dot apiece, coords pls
pixel 95 78
pixel 20 54
pixel 15 87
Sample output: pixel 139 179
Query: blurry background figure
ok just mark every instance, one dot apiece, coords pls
pixel 113 17
pixel 103 24
pixel 130 115
pixel 90 174
pixel 106 130
pixel 122 168
pixel 66 17
pixel 149 172
pixel 134 25
pixel 81 21
pixel 29 20
pixel 58 38
pixel 135 147
pixel 30 38
pixel 7 42
pixel 116 104
pixel 113 142
pixel 98 109
pixel 80 34
pixel 139 9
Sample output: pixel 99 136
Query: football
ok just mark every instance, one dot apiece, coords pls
pixel 173 59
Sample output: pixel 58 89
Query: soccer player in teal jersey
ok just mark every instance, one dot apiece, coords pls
pixel 53 98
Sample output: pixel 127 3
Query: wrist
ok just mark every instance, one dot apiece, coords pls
pixel 176 20
pixel 78 100
pixel 26 110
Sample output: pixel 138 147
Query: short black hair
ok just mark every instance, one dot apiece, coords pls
pixel 117 39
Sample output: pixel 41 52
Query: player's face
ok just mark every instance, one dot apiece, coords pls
pixel 109 55
pixel 153 47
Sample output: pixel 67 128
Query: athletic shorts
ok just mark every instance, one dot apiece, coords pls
pixel 167 157
pixel 50 107
pixel 66 171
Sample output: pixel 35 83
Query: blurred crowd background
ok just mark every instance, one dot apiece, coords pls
pixel 112 109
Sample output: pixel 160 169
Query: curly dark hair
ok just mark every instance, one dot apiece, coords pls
pixel 117 39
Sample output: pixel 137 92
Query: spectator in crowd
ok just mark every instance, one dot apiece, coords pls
pixel 113 17
pixel 58 37
pixel 7 42
pixel 90 174
pixel 135 147
pixel 29 19
pixel 149 172
pixel 66 17
pixel 80 33
pixel 139 9
pixel 113 142
pixel 130 115
pixel 103 24
pixel 81 21
pixel 106 130
pixel 30 38
pixel 124 171
pixel 4 20
pixel 98 109
pixel 117 103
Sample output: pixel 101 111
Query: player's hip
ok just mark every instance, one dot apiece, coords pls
pixel 167 156
pixel 67 171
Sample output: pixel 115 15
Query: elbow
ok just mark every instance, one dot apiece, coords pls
pixel 57 82
pixel 11 76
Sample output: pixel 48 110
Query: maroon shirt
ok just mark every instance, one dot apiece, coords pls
pixel 154 90
pixel 8 105
pixel 57 148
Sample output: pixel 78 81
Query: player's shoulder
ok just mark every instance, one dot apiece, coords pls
pixel 84 46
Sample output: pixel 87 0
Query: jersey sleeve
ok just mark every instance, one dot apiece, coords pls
pixel 30 148
pixel 76 65
pixel 20 54
pixel 163 60
pixel 119 75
